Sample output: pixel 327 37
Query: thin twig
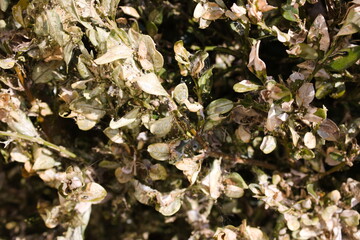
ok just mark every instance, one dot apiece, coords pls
pixel 330 171
pixel 40 141
pixel 244 161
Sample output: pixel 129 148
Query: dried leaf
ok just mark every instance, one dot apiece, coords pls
pixel 130 11
pixel 170 203
pixel 199 10
pixel 212 11
pixel 143 193
pixel 162 126
pixel 182 56
pixel 282 37
pixel 328 130
pixel 114 135
pixel 93 193
pixel 256 65
pixel 272 121
pixel 7 63
pixel 158 172
pixel 225 234
pixel 159 151
pixel 115 53
pixel 319 34
pixel 243 134
pixel 150 84
pixel 129 118
pixel 268 144
pixel 181 93
pixel 310 140
pixel 215 185
pixel 191 167
pixel 305 95
pixel 350 217
pixel 149 58
pixel 351 24
pixel 18 155
pixel 43 159
pixel 234 185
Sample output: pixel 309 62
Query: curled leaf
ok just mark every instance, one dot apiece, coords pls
pixel 129 118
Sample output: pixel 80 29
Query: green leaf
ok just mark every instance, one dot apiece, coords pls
pixel 307 52
pixel 245 86
pixel 151 28
pixel 204 81
pixel 348 57
pixel 290 13
pixel 218 107
pixel 323 89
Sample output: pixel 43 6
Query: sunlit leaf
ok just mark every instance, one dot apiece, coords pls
pixel 113 54
pixel 130 11
pixel 268 144
pixel 93 193
pixel 347 58
pixel 291 13
pixel 127 119
pixel 245 86
pixel 43 159
pixel 7 63
pixel 310 140
pixel 150 84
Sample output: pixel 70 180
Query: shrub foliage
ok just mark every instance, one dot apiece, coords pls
pixel 179 119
